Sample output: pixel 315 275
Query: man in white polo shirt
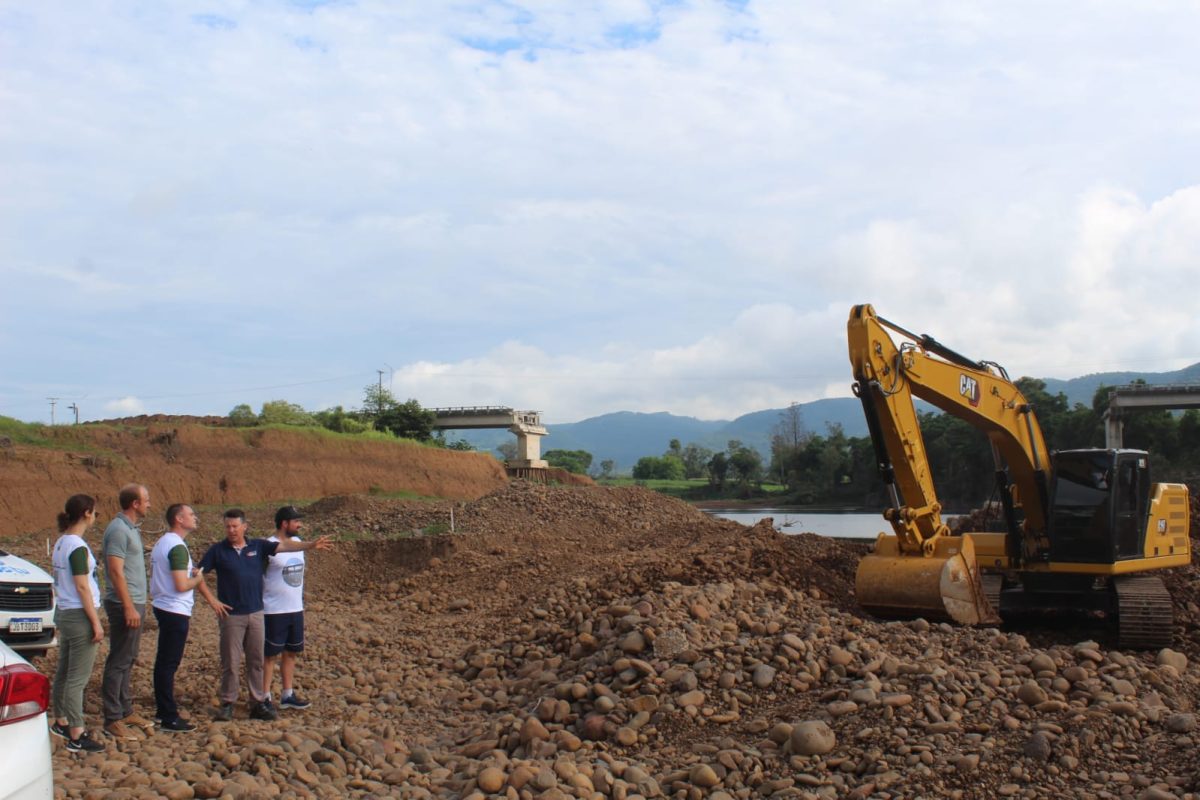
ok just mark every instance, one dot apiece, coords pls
pixel 172 579
pixel 283 607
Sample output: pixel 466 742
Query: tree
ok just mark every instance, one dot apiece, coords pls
pixel 576 461
pixel 607 466
pixel 788 438
pixel 658 468
pixel 407 420
pixel 744 462
pixel 718 468
pixel 242 416
pixel 695 460
pixel 377 400
pixel 507 451
pixel 281 412
pixel 338 419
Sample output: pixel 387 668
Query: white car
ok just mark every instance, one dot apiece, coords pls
pixel 26 772
pixel 26 606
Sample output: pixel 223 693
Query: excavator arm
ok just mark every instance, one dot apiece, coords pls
pixel 888 377
pixel 922 568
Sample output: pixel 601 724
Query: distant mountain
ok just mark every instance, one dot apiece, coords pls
pixel 626 436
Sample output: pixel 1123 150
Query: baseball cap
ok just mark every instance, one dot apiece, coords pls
pixel 285 513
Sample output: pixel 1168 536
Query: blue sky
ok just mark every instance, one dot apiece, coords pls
pixel 586 207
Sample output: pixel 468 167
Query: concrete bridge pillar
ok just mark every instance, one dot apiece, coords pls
pixel 529 431
pixel 1114 429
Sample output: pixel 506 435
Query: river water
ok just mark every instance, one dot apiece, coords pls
pixel 850 525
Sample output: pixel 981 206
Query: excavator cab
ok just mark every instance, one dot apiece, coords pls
pixel 1099 502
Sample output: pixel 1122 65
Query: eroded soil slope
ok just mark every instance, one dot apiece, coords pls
pixel 192 463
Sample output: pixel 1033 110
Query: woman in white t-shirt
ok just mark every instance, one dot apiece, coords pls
pixel 79 629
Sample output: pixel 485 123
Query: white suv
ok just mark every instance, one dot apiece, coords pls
pixel 26 771
pixel 26 606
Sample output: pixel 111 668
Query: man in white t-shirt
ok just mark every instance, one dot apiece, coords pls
pixel 172 579
pixel 283 607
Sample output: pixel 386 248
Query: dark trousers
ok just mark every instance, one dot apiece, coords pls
pixel 172 636
pixel 123 643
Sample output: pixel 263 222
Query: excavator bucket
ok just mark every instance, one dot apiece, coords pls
pixel 944 585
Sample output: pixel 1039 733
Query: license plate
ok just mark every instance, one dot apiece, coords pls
pixel 25 625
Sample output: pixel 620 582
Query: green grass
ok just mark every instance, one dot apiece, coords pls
pixel 317 431
pixel 24 432
pixel 77 438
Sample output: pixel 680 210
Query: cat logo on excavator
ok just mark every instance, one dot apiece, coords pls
pixel 968 387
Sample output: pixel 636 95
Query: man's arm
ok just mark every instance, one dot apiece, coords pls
pixel 221 609
pixel 116 576
pixel 292 545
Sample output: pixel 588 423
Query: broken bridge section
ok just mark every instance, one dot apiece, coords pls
pixel 526 425
pixel 1138 395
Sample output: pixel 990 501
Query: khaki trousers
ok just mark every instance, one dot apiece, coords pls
pixel 76 655
pixel 242 636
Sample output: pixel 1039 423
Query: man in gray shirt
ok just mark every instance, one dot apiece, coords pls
pixel 125 605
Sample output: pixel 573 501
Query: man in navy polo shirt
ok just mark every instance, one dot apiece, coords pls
pixel 240 564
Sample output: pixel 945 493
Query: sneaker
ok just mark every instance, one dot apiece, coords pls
pixel 224 713
pixel 119 730
pixel 84 744
pixel 177 725
pixel 61 731
pixel 294 700
pixel 264 711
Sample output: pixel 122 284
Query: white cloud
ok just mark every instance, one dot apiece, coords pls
pixel 681 200
pixel 125 407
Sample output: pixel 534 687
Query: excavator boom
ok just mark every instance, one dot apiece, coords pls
pixel 921 568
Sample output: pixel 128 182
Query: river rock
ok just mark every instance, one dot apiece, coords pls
pixel 1031 694
pixel 763 675
pixel 812 738
pixel 490 779
pixel 1181 723
pixel 1039 747
pixel 704 776
pixel 1170 658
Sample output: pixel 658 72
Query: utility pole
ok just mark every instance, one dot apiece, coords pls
pixel 75 408
pixel 380 391
pixel 52 400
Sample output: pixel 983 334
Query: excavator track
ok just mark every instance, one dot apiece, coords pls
pixel 992 585
pixel 1144 613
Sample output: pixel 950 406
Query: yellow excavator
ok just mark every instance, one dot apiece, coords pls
pixel 1082 529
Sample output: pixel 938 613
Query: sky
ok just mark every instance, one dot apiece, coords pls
pixel 585 207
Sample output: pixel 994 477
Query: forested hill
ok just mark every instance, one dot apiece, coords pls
pixel 626 436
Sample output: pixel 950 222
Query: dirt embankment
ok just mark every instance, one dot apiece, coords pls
pixel 205 465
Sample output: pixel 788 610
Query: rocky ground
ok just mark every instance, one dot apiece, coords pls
pixel 581 642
